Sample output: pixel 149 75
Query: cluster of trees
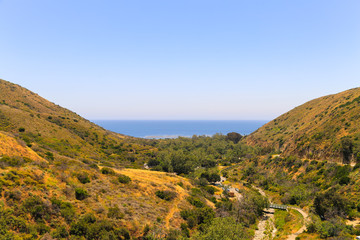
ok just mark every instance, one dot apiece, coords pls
pixel 185 155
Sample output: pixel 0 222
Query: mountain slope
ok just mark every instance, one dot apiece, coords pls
pixel 52 130
pixel 58 176
pixel 324 128
pixel 9 146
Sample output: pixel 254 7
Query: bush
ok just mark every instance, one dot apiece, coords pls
pixel 36 207
pixel 107 171
pixel 210 189
pixel 124 179
pixel 198 216
pixel 66 209
pixel 114 212
pixel 13 162
pixel 211 177
pixel 223 228
pixel 81 194
pixel 166 195
pixel 13 195
pixel 60 232
pixel 21 129
pixel 195 202
pixel 83 177
pixel 49 155
pixel 94 166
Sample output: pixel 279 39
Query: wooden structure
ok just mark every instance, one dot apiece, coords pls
pixel 278 206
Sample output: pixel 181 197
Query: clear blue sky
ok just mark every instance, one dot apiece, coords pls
pixel 180 59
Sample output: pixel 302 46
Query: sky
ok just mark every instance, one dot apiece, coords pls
pixel 180 59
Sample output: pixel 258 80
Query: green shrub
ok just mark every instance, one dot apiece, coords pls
pixel 223 228
pixel 114 212
pixel 42 228
pixel 166 195
pixel 36 207
pixel 195 202
pixel 83 177
pixel 49 155
pixel 13 162
pixel 124 179
pixel 107 171
pixel 88 218
pixel 94 166
pixel 81 194
pixel 198 216
pixel 14 195
pixel 210 189
pixel 60 232
pixel 66 209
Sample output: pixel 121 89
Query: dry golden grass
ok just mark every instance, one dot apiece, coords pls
pixel 308 236
pixel 151 181
pixel 51 128
pixel 314 129
pixel 11 147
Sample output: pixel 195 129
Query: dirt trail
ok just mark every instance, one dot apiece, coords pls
pixel 260 235
pixel 266 226
pixel 174 208
pixel 303 228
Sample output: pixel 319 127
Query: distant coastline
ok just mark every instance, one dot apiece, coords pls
pixel 179 128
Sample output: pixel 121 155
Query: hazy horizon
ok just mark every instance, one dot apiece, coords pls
pixel 180 60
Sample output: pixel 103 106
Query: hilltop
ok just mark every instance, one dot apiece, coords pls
pixel 52 131
pixel 325 128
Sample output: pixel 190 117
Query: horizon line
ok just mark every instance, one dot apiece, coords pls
pixel 179 119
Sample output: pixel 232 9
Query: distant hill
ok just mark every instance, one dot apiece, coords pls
pixel 51 130
pixel 326 128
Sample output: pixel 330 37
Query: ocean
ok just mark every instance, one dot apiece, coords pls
pixel 175 128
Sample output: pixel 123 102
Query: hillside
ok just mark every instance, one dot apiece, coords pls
pixel 63 177
pixel 53 131
pixel 72 198
pixel 324 128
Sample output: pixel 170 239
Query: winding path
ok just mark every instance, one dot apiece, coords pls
pixel 174 207
pixel 266 222
pixel 303 228
pixel 259 234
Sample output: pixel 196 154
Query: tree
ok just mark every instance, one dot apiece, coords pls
pixel 330 204
pixel 81 194
pixel 346 149
pixel 223 228
pixel 234 137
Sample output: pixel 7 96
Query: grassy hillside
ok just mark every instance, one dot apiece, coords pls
pixel 53 131
pixel 71 198
pixel 63 177
pixel 324 128
pixel 9 146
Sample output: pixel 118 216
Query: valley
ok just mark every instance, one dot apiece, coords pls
pixel 64 177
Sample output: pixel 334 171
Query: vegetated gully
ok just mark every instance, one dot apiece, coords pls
pixel 267 221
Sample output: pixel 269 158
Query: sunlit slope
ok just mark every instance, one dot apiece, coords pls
pixel 47 127
pixel 9 146
pixel 324 128
pixel 148 183
pixel 63 193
